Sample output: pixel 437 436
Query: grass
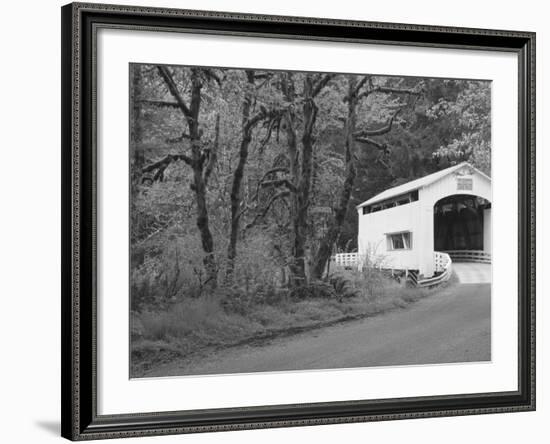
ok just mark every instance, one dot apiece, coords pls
pixel 203 324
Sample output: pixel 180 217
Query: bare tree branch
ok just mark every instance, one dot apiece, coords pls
pixel 311 122
pixel 390 90
pixel 159 103
pixel 378 132
pixel 213 154
pixel 274 170
pixel 380 146
pixel 166 161
pixel 270 125
pixel 321 84
pixel 270 203
pixel 264 113
pixel 279 182
pixel 360 84
pixel 254 120
pixel 157 231
pixel 177 139
pixel 211 74
pixel 172 87
pixel 266 77
pixel 161 166
pixel 385 164
pixel 263 75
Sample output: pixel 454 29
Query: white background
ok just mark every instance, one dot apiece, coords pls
pixel 117 394
pixel 30 233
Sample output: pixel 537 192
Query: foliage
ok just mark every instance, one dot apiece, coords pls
pixel 472 136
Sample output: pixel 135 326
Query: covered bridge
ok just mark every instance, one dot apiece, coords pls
pixel 415 227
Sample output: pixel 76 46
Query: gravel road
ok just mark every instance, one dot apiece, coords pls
pixel 453 325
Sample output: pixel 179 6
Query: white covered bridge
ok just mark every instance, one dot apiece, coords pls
pixel 419 226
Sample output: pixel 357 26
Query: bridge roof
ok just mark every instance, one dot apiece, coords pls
pixel 417 184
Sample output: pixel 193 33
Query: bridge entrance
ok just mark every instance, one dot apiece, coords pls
pixel 462 223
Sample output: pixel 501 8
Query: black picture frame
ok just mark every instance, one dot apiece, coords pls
pixel 79 395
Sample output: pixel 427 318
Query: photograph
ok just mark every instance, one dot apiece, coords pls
pixel 294 220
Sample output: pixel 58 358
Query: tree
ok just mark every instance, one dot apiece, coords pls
pixel 357 91
pixel 297 178
pixel 472 116
pixel 248 124
pixel 201 159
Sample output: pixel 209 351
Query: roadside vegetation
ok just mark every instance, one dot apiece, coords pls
pixel 197 326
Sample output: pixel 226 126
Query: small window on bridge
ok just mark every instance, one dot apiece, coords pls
pixel 397 201
pixel 371 209
pixel 399 241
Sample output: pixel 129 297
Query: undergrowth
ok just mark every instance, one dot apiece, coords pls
pixel 227 317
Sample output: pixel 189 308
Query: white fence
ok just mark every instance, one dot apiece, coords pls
pixel 346 260
pixel 443 267
pixel 441 260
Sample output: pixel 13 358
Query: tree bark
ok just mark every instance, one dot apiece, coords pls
pixel 238 178
pixel 296 266
pixel 304 184
pixel 136 128
pixel 137 159
pixel 197 163
pixel 325 248
pixel 203 223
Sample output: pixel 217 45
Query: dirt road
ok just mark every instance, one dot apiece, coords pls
pixel 452 325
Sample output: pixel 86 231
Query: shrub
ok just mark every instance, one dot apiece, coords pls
pixel 314 289
pixel 369 283
pixel 343 287
pixel 170 272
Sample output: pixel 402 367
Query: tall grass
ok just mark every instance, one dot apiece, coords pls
pixel 204 319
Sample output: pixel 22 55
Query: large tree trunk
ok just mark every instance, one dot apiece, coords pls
pixel 204 228
pixel 137 159
pixel 297 263
pixel 301 167
pixel 198 163
pixel 238 178
pixel 301 173
pixel 304 184
pixel 325 248
pixel 199 184
pixel 136 130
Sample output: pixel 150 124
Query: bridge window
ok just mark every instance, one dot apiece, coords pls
pixel 396 201
pixel 464 183
pixel 399 241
